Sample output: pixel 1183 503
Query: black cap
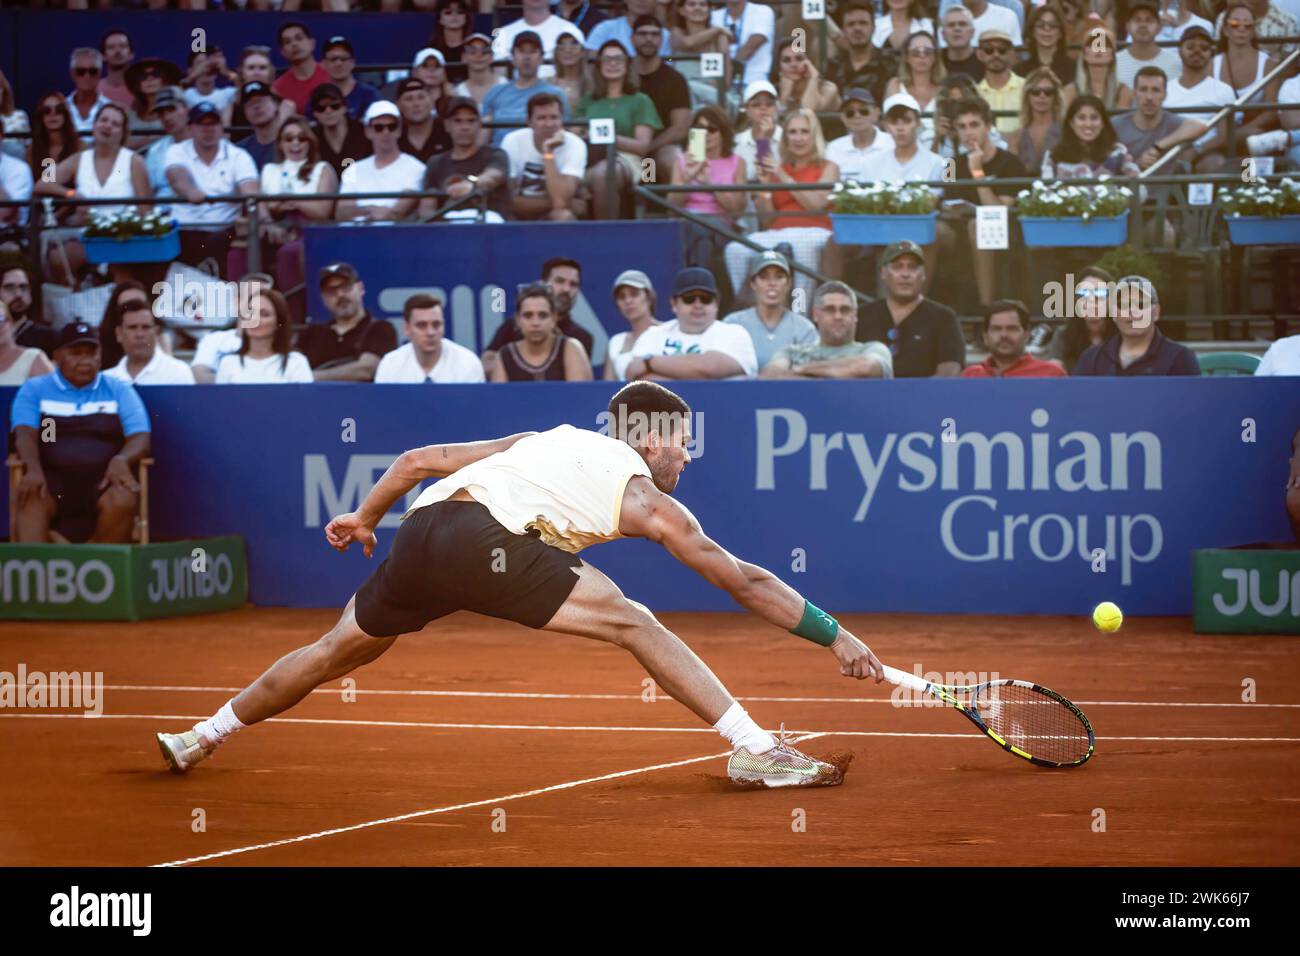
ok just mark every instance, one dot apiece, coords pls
pixel 408 84
pixel 338 41
pixel 202 110
pixel 459 103
pixel 255 88
pixel 338 270
pixel 1195 31
pixel 326 91
pixel 859 94
pixel 75 332
pixel 1149 5
pixel 528 36
pixel 694 279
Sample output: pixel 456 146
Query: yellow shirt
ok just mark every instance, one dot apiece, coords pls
pixel 1007 98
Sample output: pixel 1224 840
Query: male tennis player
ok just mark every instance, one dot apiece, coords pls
pixel 538 498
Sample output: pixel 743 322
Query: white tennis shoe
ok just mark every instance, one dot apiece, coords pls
pixel 782 766
pixel 184 751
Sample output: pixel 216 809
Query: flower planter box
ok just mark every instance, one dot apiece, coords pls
pixel 1264 230
pixel 103 249
pixel 1074 231
pixel 863 230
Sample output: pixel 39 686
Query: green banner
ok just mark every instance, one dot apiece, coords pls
pixel 1245 591
pixel 119 582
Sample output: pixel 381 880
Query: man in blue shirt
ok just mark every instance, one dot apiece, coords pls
pixel 621 29
pixel 1140 348
pixel 80 435
pixel 509 101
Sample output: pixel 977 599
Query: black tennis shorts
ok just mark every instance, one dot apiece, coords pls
pixel 454 556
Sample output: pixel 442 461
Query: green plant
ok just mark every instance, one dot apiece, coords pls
pixel 882 199
pixel 1261 199
pixel 127 225
pixel 1056 201
pixel 1127 261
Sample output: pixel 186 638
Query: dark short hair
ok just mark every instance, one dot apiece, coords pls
pixel 978 106
pixel 557 262
pixel 646 20
pixel 1150 71
pixel 856 7
pixel 1006 305
pixel 279 34
pixel 645 402
pixel 1095 272
pixel 538 100
pixel 130 309
pixel 103 41
pixel 421 300
pixel 535 290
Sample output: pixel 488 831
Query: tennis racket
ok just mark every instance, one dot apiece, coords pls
pixel 1032 722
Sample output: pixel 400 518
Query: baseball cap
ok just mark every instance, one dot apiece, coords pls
pixel 459 103
pixel 427 52
pixel 478 36
pixel 75 332
pixel 859 94
pixel 204 110
pixel 759 86
pixel 633 278
pixel 381 108
pixel 255 88
pixel 326 91
pixel 995 34
pixel 338 270
pixel 527 36
pixel 904 247
pixel 769 257
pixel 169 96
pixel 1195 31
pixel 338 41
pixel 901 99
pixel 408 84
pixel 1133 284
pixel 694 279
pixel 1149 5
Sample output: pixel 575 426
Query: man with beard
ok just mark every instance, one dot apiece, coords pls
pixel 923 336
pixel 30 331
pixel 1006 334
pixel 864 65
pixel 564 276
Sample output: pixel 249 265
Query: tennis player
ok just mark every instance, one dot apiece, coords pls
pixel 499 535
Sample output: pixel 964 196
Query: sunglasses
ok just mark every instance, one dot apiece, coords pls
pixel 328 107
pixel 51 110
pixel 997 49
pixel 1042 91
pixel 921 51
pixel 704 298
pixel 87 71
pixel 384 127
pixel 1241 24
pixel 855 111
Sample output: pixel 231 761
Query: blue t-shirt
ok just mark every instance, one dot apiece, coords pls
pixel 262 153
pixel 620 29
pixel 508 103
pixel 90 424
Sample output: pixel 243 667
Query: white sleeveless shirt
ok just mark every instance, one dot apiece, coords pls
pixel 566 483
pixel 118 182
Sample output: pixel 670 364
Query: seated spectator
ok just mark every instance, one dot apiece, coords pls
pixel 541 23
pixel 958 53
pixel 388 170
pixel 452 19
pixel 298 47
pixel 563 277
pixel 215 345
pixel 799 85
pixel 348 347
pixel 852 151
pixel 207 164
pixel 761 135
pixel 254 67
pixel 953 92
pixel 423 131
pixel 174 116
pixel 770 323
pixel 15 183
pixel 428 355
pixel 118 54
pixel 833 354
pixel 1097 75
pixel 667 89
pixel 547 164
pixel 468 167
pixel 1174 21
pixel 1045 46
pixel 342 138
pixel 899 19
pixel 694 345
pixel 752 27
pixel 1150 131
pixel 1270 20
pixel 339 60
pixel 1088 146
pixel 919 74
pixel 798 218
pixel 1198 87
pixel 634 295
pixel 1140 348
pixel 206 67
pixel 80 487
pixel 481 77
pixel 863 65
pixel 146 78
pixel 1281 358
pixel 1142 51
pixel 1005 15
pixel 692 33
pixel 542 352
pixel 29 328
pixel 616 95
pixel 143 361
pixel 1041 112
pixel 1287 139
pixel 262 107
pixel 623 29
pixel 86 68
pixel 55 137
pixel 721 167
pixel 264 356
pixel 1000 88
pixel 127 295
pixel 1006 333
pixel 18 363
pixel 1089 323
pixel 508 103
pixel 1243 66
pixel 923 336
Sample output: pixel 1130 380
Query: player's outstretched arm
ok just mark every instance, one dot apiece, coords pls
pixel 649 513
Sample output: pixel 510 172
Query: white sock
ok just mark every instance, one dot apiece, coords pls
pixel 741 731
pixel 220 725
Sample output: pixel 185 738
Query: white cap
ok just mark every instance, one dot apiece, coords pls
pixel 900 99
pixel 759 86
pixel 427 52
pixel 381 108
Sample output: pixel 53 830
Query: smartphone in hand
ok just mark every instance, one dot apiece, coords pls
pixel 697 145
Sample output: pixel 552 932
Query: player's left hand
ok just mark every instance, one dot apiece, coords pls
pixel 345 529
pixel 856 659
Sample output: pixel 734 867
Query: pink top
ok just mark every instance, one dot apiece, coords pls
pixel 722 172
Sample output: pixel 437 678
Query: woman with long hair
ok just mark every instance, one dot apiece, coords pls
pixel 14 120
pixel 692 32
pixel 254 66
pixel 900 19
pixel 1097 74
pixel 1242 65
pixel 1089 146
pixel 542 353
pixel 920 71
pixel 55 136
pixel 1042 107
pixel 264 356
pixel 127 295
pixel 451 26
pixel 1090 322
pixel 616 95
pixel 798 83
pixel 571 73
pixel 144 78
pixel 1045 44
pixel 720 167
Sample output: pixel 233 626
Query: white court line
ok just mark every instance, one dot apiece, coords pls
pixel 334 692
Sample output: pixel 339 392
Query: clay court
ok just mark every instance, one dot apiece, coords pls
pixel 474 716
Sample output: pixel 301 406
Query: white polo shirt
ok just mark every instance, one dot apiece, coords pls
pixel 853 161
pixel 230 167
pixel 363 176
pixel 162 369
pixel 1282 358
pixel 1211 92
pixel 455 364
pixel 86 124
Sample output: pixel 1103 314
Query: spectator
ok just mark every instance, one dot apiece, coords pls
pixel 1041 111
pixel 508 103
pixel 634 295
pixel 853 151
pixel 174 116
pixel 1097 74
pixel 12 120
pixel 1175 19
pixel 761 134
pixel 145 79
pixel 798 83
pixel 254 67
pixel 1142 51
pixel 428 355
pixel 15 183
pixel 298 47
pixel 1088 146
pixel 899 20
pixel 143 361
pixel 480 77
pixel 958 54
pixel 55 137
pixel 770 323
pixel 1150 131
pixel 955 91
pixel 347 348
pixel 919 74
pixel 387 170
pixel 721 167
pixel 1281 358
pixel 423 131
pixel 340 60
pixel 923 336
pixel 1269 21
pixel 29 328
pixel 126 295
pixel 991 16
pixel 429 68
pixel 85 68
pixel 215 345
pixel 1197 87
pixel 200 82
pixel 115 47
pixel 541 352
pixel 581 14
pixel 262 107
pixel 544 27
pixel 264 356
pixel 1045 45
pixel 908 161
pixel 468 167
pixel 798 218
pixel 694 345
pixel 564 278
pixel 1079 21
pixel 1288 137
pixel 692 33
pixel 623 29
pixel 617 96
pixel 1140 348
pixel 547 164
pixel 342 137
pixel 752 28
pixel 1089 322
pixel 833 353
pixel 1243 66
pixel 571 73
pixel 1000 88
pixel 1006 333
pixel 667 89
pixel 207 164
pixel 80 487
pixel 451 28
pixel 863 65
pixel 18 363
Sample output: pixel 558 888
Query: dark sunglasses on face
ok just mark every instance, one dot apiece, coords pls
pixel 384 127
pixel 1042 91
pixel 852 112
pixel 995 49
pixel 51 110
pixel 327 107
pixel 150 73
pixel 87 71
pixel 691 298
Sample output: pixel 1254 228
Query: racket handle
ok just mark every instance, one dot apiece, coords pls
pixel 904 679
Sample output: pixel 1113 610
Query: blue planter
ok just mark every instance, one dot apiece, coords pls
pixel 1263 231
pixel 139 249
pixel 858 230
pixel 1071 231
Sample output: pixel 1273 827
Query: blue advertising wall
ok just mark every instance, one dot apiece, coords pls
pixel 848 491
pixel 477 268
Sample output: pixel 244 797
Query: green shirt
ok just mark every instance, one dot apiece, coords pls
pixel 627 112
pixel 797 355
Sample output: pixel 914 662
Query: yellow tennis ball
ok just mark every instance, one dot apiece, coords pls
pixel 1108 617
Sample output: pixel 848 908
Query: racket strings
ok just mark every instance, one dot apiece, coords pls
pixel 1033 722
